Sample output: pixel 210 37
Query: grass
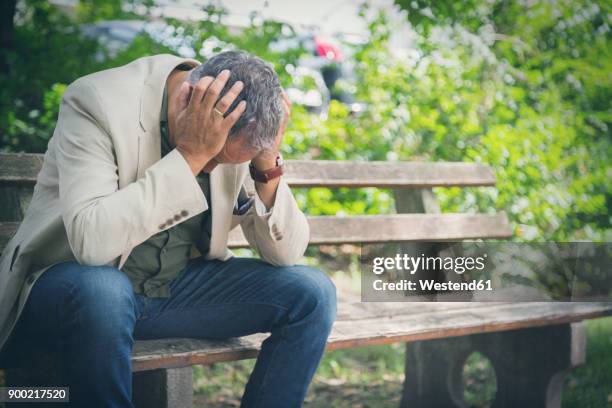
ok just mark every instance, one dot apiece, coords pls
pixel 362 377
pixel 590 385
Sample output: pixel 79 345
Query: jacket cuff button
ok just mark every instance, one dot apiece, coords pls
pixel 184 213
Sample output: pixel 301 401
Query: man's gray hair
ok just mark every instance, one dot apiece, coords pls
pixel 262 92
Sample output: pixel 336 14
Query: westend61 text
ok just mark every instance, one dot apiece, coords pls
pixel 430 284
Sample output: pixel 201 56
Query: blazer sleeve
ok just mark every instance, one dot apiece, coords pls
pixel 281 235
pixel 101 220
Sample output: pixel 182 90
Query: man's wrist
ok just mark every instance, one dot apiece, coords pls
pixel 267 192
pixel 196 163
pixel 266 162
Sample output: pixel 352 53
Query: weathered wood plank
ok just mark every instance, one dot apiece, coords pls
pixel 451 319
pixel 378 228
pixel 18 169
pixel 463 321
pixel 330 173
pixel 398 228
pixel 14 201
pixel 7 230
pixel 247 347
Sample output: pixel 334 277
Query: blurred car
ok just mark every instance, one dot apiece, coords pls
pixel 324 60
pixel 314 81
pixel 117 35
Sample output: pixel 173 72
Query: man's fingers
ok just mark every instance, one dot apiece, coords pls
pixel 224 104
pixel 199 90
pixel 231 119
pixel 214 90
pixel 183 96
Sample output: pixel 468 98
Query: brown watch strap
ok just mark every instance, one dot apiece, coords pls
pixel 267 175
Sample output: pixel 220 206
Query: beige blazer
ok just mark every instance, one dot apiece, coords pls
pixel 104 188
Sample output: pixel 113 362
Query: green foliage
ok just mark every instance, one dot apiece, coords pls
pixel 47 50
pixel 532 97
pixel 479 380
pixel 523 87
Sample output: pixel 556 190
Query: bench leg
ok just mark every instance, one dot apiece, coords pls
pixel 163 388
pixel 530 365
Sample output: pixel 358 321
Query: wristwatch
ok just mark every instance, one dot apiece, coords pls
pixel 267 175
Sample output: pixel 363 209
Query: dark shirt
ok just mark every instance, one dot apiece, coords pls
pixel 153 264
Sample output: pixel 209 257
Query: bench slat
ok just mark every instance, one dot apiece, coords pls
pixel 312 173
pixel 7 229
pixel 19 168
pixel 424 321
pixel 377 228
pixel 22 169
pixel 399 228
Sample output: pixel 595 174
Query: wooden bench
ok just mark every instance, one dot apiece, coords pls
pixel 530 345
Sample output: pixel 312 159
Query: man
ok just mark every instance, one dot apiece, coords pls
pixel 148 161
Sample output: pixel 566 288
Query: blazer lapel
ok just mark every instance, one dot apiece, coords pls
pixel 222 192
pixel 149 147
pixel 149 140
pixel 149 143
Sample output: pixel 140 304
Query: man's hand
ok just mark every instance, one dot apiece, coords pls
pixel 267 159
pixel 200 129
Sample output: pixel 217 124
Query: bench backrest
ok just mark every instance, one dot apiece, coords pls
pixel 411 182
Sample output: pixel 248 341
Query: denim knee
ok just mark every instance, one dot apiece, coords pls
pixel 101 298
pixel 317 293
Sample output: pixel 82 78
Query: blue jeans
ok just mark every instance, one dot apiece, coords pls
pixel 91 316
